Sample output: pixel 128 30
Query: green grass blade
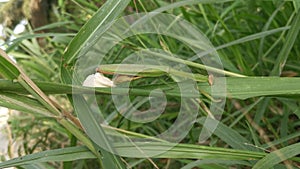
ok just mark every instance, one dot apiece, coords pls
pixel 23 104
pixel 37 166
pixel 227 134
pixel 17 41
pixel 225 163
pixel 194 64
pixel 278 156
pixel 266 27
pixel 97 134
pixel 64 154
pixel 281 140
pixel 87 4
pixel 296 5
pixel 187 151
pixel 53 25
pixel 96 26
pixel 243 88
pixel 188 2
pixel 239 88
pixel 288 45
pixel 7 69
pixel 248 38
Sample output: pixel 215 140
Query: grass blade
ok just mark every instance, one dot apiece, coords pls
pixel 105 15
pixel 23 104
pixel 7 69
pixel 17 41
pixel 227 134
pixel 188 2
pixel 278 156
pixel 288 45
pixel 64 154
pixel 243 88
pixel 187 151
pixel 97 134
pixel 239 88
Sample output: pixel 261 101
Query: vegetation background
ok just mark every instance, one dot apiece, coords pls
pixel 258 39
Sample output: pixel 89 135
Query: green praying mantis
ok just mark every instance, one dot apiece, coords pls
pixel 128 72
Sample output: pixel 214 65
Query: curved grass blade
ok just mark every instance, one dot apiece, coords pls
pixel 95 27
pixel 278 156
pixel 250 38
pixel 105 15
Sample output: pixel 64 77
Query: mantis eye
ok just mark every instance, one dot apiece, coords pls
pixel 98 80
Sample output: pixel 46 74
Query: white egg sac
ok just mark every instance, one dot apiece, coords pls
pixel 98 80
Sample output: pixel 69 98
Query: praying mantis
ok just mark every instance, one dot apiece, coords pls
pixel 128 72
